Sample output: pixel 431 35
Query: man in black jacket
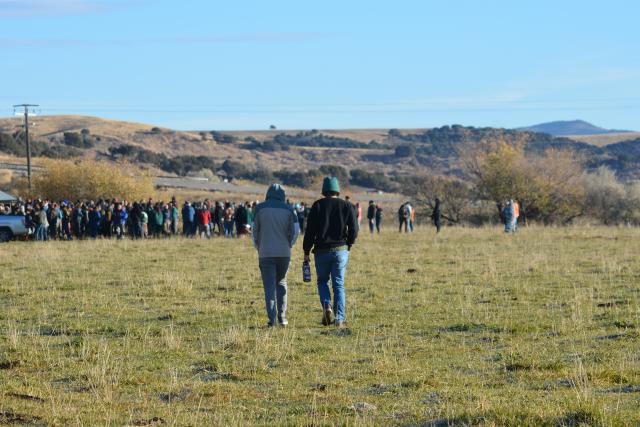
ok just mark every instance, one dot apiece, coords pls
pixel 435 215
pixel 371 215
pixel 332 228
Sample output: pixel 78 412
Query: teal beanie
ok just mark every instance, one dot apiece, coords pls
pixel 330 184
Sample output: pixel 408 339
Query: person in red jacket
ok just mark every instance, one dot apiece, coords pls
pixel 204 218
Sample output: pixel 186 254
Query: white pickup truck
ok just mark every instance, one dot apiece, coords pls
pixel 12 226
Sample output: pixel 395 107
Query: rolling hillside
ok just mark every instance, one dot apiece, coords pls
pixel 293 157
pixel 110 134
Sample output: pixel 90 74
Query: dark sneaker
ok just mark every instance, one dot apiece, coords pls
pixel 269 325
pixel 327 313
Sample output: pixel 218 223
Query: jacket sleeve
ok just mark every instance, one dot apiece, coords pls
pixel 310 232
pixel 255 230
pixel 294 229
pixel 352 227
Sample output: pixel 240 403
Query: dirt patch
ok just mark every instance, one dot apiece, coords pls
pixel 170 397
pixel 471 327
pixel 616 337
pixel 25 397
pixel 612 303
pixel 8 417
pixel 516 366
pixel 53 331
pixel 155 421
pixel 9 364
pixel 624 389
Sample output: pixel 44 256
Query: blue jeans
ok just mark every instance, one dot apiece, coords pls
pixel 41 233
pixel 228 229
pixel 274 279
pixel 332 265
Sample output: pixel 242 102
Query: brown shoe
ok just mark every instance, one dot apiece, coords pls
pixel 327 313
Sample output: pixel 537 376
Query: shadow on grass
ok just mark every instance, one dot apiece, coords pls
pixel 472 327
pixel 569 419
pixel 337 332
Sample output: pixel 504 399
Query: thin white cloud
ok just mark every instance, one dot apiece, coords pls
pixel 31 8
pixel 14 42
pixel 240 38
pixel 280 36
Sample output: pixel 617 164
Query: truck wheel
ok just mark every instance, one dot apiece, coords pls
pixel 5 235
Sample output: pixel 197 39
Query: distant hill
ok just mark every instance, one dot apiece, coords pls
pixel 373 158
pixel 569 127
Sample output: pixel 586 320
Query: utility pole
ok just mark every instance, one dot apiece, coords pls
pixel 26 137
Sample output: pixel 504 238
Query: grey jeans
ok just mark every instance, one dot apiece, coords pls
pixel 274 279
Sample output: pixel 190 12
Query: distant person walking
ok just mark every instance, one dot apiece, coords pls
pixel 412 216
pixel 436 215
pixel 204 218
pixel 188 219
pixel 218 218
pixel 403 217
pixel 379 215
pixel 371 215
pixel 175 215
pixel 332 229
pixel 302 213
pixel 42 224
pixel 508 215
pixel 275 231
pixel 228 222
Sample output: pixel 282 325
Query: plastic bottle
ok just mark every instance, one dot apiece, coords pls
pixel 306 271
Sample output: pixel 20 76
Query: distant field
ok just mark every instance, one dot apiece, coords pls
pixel 606 139
pixel 468 327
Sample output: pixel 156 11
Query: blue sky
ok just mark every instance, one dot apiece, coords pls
pixel 325 64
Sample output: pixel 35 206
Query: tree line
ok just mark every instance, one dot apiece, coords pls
pixel 552 187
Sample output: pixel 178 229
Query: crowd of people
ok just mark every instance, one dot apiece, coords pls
pixel 65 220
pixel 330 227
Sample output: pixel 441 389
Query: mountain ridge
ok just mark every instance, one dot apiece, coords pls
pixel 569 128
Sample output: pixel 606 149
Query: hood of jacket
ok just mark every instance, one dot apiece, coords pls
pixel 276 192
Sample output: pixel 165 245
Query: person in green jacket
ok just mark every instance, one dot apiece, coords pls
pixel 157 219
pixel 174 218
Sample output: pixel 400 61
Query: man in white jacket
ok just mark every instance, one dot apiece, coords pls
pixel 275 231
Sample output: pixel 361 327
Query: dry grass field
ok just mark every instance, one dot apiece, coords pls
pixel 607 138
pixel 470 327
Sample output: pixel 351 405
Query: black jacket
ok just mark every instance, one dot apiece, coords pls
pixel 371 212
pixel 331 223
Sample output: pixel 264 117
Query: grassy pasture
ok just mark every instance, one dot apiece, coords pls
pixel 469 327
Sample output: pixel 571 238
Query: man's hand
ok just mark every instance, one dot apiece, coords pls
pixel 307 258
